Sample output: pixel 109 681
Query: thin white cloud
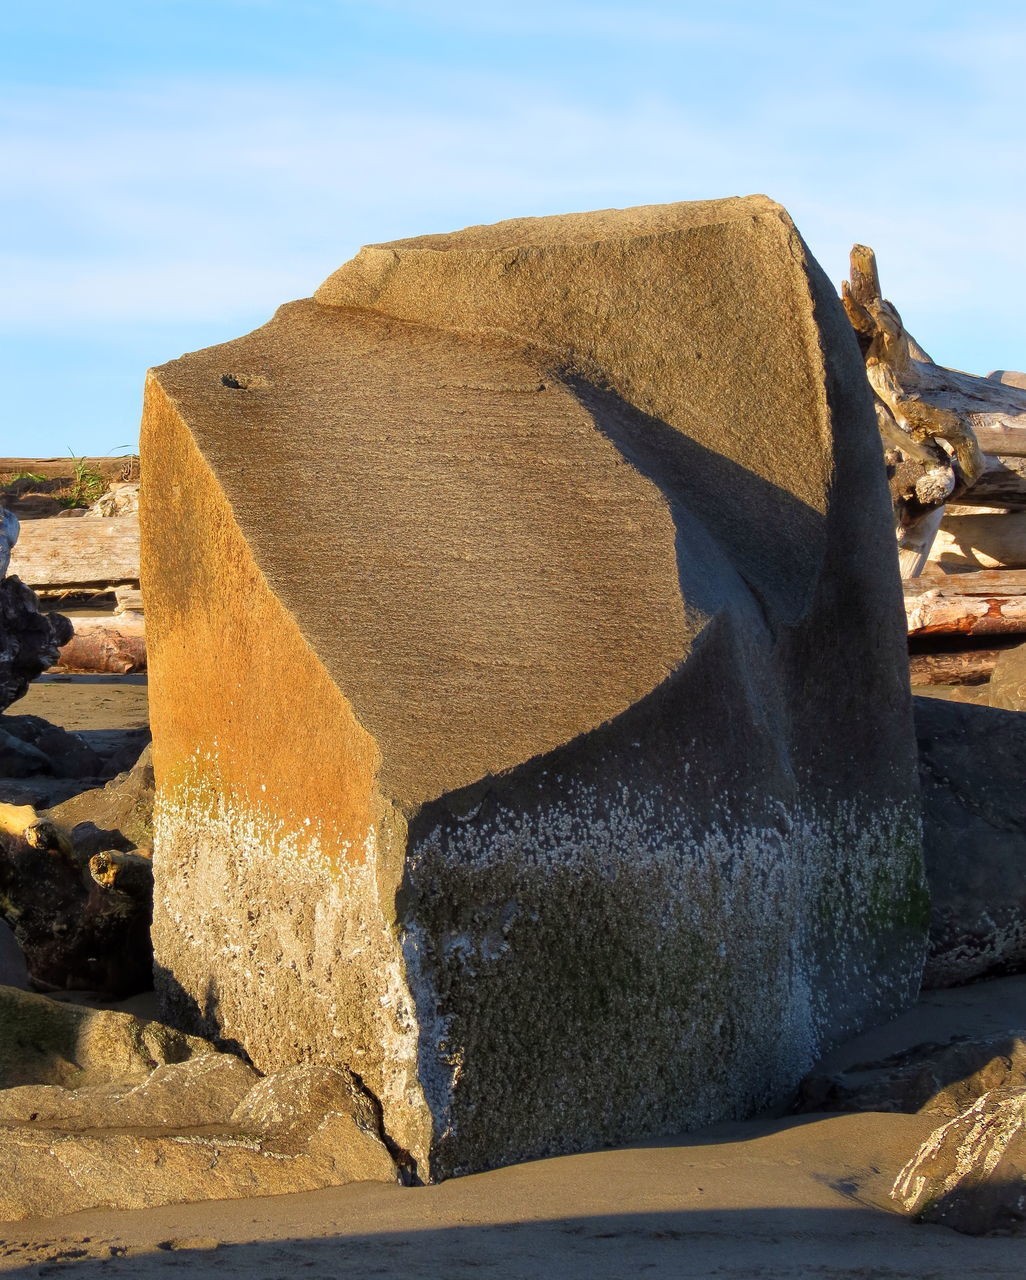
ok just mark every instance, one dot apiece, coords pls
pixel 156 203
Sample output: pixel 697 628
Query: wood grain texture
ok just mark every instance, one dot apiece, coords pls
pixel 88 551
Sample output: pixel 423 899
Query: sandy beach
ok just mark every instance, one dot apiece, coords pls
pixel 772 1198
pixel 87 704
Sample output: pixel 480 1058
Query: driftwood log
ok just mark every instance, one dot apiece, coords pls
pixel 105 643
pixel 1003 483
pixel 967 667
pixel 129 599
pixel 87 552
pixel 980 538
pixel 123 468
pixel 928 415
pixel 991 602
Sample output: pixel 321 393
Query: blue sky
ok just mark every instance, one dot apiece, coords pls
pixel 172 170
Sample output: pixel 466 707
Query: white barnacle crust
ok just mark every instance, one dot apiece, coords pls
pixel 237 893
pixel 476 972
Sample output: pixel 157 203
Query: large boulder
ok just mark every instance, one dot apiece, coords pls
pixel 551 763
pixel 29 640
pixel 972 762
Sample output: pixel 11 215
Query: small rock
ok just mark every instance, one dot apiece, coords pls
pixel 1007 686
pixel 971 1173
pixel 282 1103
pixel 119 500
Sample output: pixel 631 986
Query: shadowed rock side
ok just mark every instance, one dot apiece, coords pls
pixel 550 764
pixel 972 761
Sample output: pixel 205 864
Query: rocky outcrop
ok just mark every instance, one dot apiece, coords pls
pixel 76 886
pixel 118 815
pixel 48 1042
pixel 971 1173
pixel 597 697
pixel 101 1109
pixel 938 1079
pixel 972 761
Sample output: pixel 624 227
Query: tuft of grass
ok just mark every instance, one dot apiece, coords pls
pixel 86 487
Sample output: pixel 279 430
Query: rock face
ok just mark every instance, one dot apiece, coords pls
pixel 551 764
pixel 118 815
pixel 971 1173
pixel 972 762
pixel 939 1079
pixel 100 1109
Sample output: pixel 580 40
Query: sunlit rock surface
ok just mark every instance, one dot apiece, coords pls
pixel 530 709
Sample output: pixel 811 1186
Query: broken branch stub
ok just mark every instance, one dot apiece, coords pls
pixel 929 442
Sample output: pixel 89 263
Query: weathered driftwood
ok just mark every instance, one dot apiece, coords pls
pixel 990 602
pixel 105 643
pixel 1002 485
pixel 928 415
pixel 79 925
pixel 21 822
pixel 128 873
pixel 967 667
pixel 129 599
pixel 123 468
pixel 987 539
pixel 77 553
pixel 1009 442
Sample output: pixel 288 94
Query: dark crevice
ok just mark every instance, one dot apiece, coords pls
pixel 404 1162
